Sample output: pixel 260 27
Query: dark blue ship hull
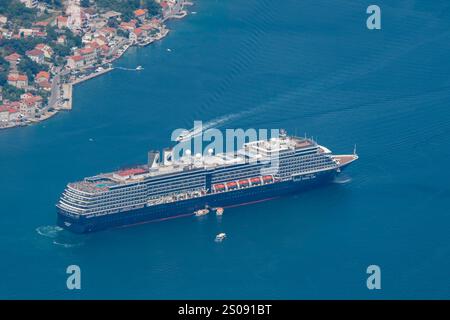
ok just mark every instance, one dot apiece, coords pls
pixel 83 224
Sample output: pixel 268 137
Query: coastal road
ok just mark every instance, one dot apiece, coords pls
pixel 54 96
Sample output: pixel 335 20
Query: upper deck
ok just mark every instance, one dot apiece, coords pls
pixel 250 152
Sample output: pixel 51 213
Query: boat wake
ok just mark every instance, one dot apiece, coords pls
pixel 342 179
pixel 215 123
pixel 49 231
pixel 138 68
pixel 67 245
pixel 60 236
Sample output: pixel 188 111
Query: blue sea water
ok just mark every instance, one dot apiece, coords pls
pixel 307 66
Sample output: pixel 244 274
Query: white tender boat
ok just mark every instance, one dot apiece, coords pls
pixel 201 212
pixel 220 237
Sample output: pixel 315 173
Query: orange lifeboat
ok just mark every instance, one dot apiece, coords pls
pixel 219 187
pixel 231 185
pixel 243 183
pixel 268 179
pixel 255 180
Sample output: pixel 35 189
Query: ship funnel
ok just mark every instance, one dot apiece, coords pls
pixel 167 156
pixel 153 159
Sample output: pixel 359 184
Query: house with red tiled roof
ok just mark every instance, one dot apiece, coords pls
pixel 25 32
pixel 8 113
pixel 140 14
pixel 45 85
pixel 36 55
pixel 41 24
pixel 75 62
pixel 18 80
pixel 42 76
pixel 107 32
pixel 29 105
pixel 127 26
pixel 61 22
pixel 13 58
pixel 13 114
pixel 89 55
pixel 136 34
pixel 155 23
pixel 100 40
pixel 105 50
pixel 4 114
pixel 48 51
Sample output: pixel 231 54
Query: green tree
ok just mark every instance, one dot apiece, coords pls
pixel 18 13
pixel 85 3
pixel 30 68
pixel 153 8
pixel 3 78
pixel 12 93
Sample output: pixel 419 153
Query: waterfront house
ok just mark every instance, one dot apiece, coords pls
pixel 36 55
pixel 105 50
pixel 4 114
pixel 155 23
pixel 18 80
pixel 147 28
pixel 30 104
pixel 27 109
pixel 136 34
pixel 8 114
pixel 75 62
pixel 13 114
pixel 89 55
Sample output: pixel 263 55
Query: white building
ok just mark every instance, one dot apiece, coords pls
pixel 30 3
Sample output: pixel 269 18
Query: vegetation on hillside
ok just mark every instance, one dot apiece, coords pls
pixel 126 7
pixel 17 12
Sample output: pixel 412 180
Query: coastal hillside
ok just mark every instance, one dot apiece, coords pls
pixel 47 46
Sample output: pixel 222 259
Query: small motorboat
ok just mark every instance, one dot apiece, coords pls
pixel 201 212
pixel 169 50
pixel 220 237
pixel 139 68
pixel 219 211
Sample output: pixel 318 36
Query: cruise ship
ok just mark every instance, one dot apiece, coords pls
pixel 166 188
